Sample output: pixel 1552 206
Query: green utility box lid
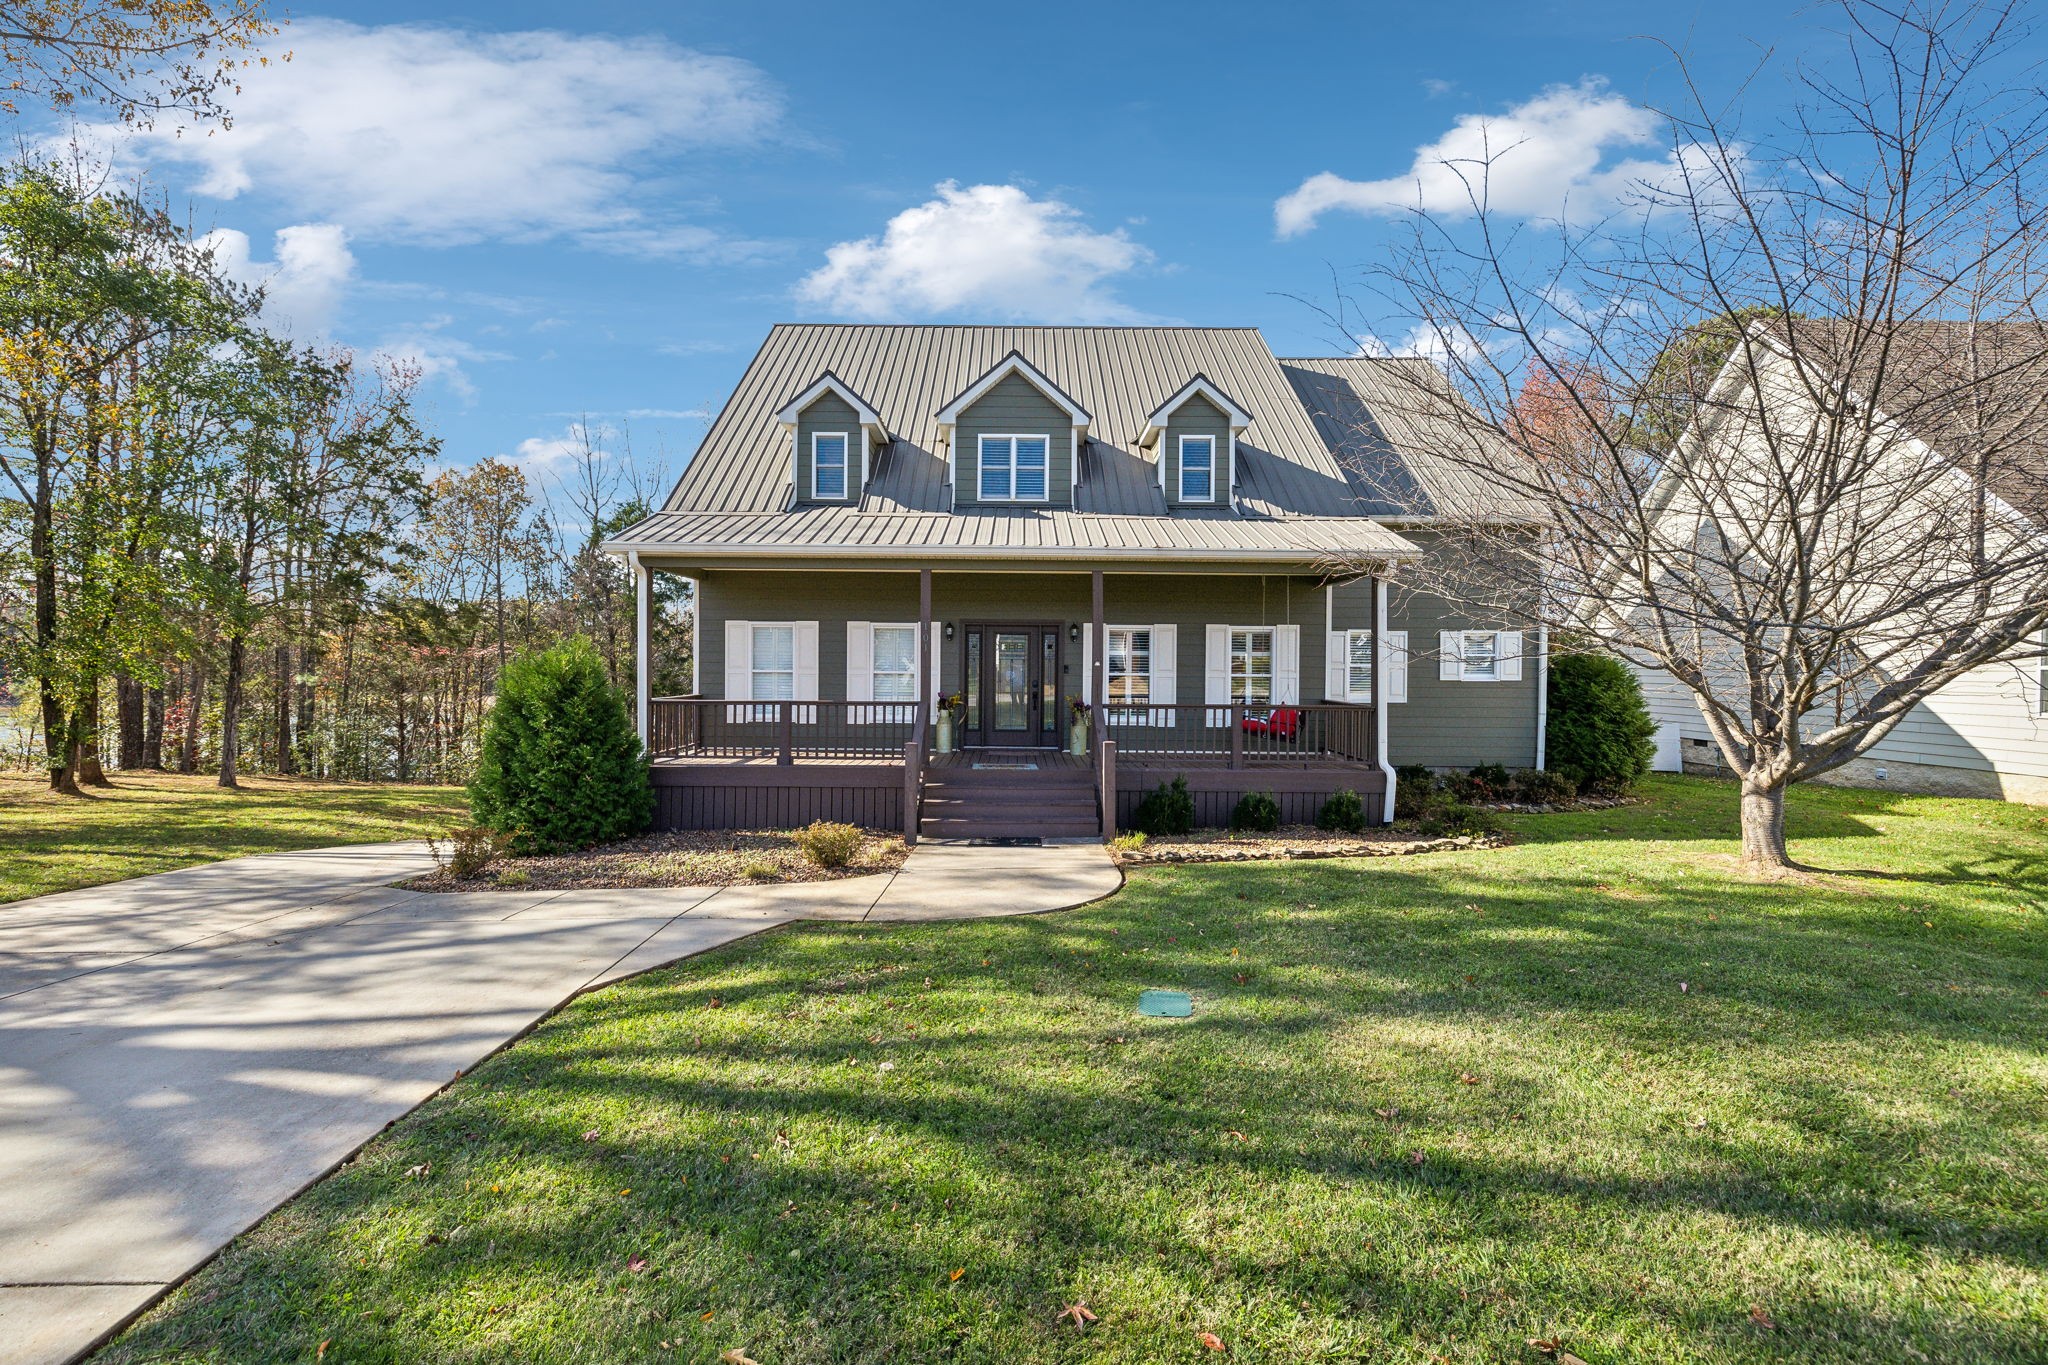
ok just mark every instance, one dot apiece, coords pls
pixel 1165 1004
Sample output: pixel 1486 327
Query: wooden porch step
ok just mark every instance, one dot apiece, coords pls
pixel 990 827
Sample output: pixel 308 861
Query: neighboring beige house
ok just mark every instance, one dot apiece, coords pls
pixel 1985 735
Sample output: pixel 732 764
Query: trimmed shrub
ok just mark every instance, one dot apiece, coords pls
pixel 1455 817
pixel 1344 812
pixel 560 767
pixel 1415 790
pixel 1540 787
pixel 1256 811
pixel 1600 733
pixel 1168 809
pixel 828 843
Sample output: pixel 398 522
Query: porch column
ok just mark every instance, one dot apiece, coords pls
pixel 643 651
pixel 1379 692
pixel 1098 665
pixel 924 641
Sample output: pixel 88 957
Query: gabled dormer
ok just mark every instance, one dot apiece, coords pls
pixel 1193 440
pixel 833 434
pixel 1013 437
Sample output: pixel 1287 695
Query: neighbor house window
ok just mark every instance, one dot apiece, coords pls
pixel 1358 665
pixel 1480 651
pixel 1013 468
pixel 774 663
pixel 1197 468
pixel 1130 667
pixel 828 464
pixel 1251 666
pixel 895 663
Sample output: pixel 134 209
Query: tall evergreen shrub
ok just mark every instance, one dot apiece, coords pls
pixel 1600 734
pixel 561 767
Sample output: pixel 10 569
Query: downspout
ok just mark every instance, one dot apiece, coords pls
pixel 1379 686
pixel 1542 691
pixel 643 591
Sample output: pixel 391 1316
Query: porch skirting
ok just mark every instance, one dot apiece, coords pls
pixel 1300 792
pixel 771 796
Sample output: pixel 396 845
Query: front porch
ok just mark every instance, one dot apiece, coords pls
pixel 1014 662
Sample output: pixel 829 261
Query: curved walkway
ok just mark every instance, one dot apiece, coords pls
pixel 181 1053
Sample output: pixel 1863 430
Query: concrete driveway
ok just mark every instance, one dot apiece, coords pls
pixel 181 1053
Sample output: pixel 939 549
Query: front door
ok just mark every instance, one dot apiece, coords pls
pixel 1012 684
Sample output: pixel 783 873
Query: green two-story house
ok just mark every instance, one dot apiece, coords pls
pixel 1002 581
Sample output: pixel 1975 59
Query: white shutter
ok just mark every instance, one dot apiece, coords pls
pixel 1337 666
pixel 1287 665
pixel 860 660
pixel 1165 669
pixel 739 660
pixel 1086 690
pixel 1450 659
pixel 805 635
pixel 1216 673
pixel 1394 666
pixel 1510 655
pixel 928 688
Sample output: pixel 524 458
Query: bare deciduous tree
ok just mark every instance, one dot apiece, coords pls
pixel 1779 427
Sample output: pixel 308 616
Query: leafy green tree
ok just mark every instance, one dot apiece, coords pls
pixel 1599 733
pixel 561 767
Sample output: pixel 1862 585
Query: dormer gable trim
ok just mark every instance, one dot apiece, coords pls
pixel 829 382
pixel 1013 363
pixel 1155 424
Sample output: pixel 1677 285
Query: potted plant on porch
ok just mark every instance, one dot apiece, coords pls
pixel 1077 731
pixel 948 706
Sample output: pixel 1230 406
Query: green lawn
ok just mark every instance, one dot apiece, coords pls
pixel 152 822
pixel 1594 1088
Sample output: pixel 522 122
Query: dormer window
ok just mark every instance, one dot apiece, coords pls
pixel 1013 468
pixel 828 465
pixel 1198 469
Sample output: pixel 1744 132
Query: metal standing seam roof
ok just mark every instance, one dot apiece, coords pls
pixel 1295 497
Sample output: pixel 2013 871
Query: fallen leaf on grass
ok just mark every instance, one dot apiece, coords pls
pixel 957 1274
pixel 1467 1078
pixel 737 1357
pixel 705 1316
pixel 1210 1340
pixel 419 1172
pixel 1762 1318
pixel 321 1354
pixel 1078 1311
pixel 590 1136
pixel 1554 1348
pixel 637 1265
pixel 1390 1113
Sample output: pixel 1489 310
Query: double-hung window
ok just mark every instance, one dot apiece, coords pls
pixel 1480 653
pixel 1130 667
pixel 895 663
pixel 1013 468
pixel 828 465
pixel 1198 469
pixel 1358 665
pixel 774 663
pixel 1251 666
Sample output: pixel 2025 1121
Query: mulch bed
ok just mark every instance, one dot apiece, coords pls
pixel 1292 841
pixel 674 858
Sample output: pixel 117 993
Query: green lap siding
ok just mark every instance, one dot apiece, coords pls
pixel 1457 724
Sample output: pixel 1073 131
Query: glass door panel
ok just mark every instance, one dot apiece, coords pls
pixel 1010 690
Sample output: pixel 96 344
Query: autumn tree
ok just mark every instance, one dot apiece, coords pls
pixel 139 58
pixel 1774 428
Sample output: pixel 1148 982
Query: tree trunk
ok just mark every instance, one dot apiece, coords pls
pixel 153 730
pixel 231 711
pixel 128 708
pixel 85 753
pixel 1763 827
pixel 195 692
pixel 285 756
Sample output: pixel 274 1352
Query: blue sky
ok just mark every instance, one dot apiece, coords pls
pixel 599 210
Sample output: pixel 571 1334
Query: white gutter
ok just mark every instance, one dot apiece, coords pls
pixel 1379 684
pixel 1542 691
pixel 1162 554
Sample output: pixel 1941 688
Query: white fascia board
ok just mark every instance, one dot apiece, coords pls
pixel 828 383
pixel 1013 363
pixel 1156 422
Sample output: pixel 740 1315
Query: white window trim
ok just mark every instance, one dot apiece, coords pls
pixel 845 466
pixel 1507 657
pixel 1181 454
pixel 980 464
pixel 754 671
pixel 1351 692
pixel 1467 672
pixel 804 661
pixel 1272 663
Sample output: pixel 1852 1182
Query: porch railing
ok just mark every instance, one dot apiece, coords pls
pixel 784 731
pixel 1240 736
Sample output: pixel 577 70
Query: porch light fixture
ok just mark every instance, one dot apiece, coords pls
pixel 949 630
pixel 1073 630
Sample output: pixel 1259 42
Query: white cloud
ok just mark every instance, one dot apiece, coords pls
pixel 988 251
pixel 439 135
pixel 1565 153
pixel 430 353
pixel 541 454
pixel 302 285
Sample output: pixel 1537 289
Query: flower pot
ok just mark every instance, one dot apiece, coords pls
pixel 945 733
pixel 1077 739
